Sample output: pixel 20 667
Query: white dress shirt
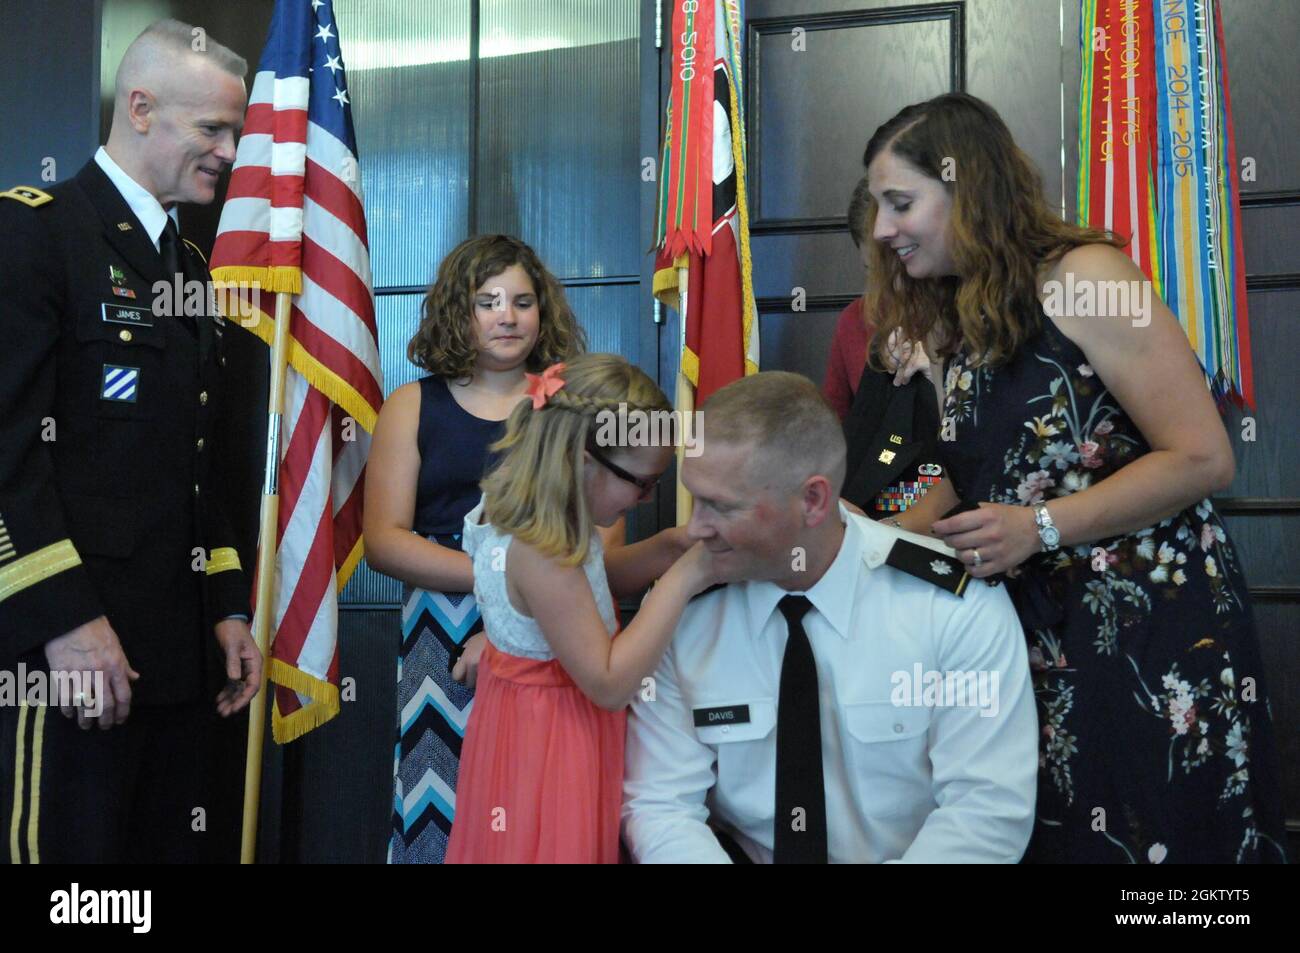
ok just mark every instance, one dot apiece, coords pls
pixel 146 208
pixel 909 775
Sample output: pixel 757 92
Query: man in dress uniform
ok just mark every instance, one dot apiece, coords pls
pixel 116 559
pixel 855 699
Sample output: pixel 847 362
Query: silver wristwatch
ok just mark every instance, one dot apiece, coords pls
pixel 1047 531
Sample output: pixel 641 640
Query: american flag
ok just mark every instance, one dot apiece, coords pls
pixel 293 222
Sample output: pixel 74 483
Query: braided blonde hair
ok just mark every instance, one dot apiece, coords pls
pixel 536 491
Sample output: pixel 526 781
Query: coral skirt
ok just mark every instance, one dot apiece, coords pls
pixel 541 771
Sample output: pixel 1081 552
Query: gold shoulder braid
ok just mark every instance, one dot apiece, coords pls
pixel 197 251
pixel 28 196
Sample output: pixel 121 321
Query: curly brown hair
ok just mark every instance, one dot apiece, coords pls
pixel 1000 231
pixel 445 344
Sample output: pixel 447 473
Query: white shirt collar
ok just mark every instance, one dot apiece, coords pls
pixel 146 208
pixel 832 594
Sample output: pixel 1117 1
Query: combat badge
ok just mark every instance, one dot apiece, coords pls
pixel 118 277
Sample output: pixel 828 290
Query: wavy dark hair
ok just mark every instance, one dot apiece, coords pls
pixel 1000 231
pixel 446 344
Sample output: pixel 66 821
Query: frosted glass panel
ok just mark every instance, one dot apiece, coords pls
pixel 409 79
pixel 558 114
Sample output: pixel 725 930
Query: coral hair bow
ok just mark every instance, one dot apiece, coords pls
pixel 542 387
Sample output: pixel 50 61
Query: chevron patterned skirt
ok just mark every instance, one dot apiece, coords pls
pixel 432 710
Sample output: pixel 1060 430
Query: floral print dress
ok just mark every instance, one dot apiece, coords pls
pixel 1156 742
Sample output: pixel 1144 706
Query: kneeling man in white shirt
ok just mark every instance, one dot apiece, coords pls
pixel 914 676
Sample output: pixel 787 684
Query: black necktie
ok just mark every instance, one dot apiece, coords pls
pixel 800 825
pixel 169 246
pixel 177 262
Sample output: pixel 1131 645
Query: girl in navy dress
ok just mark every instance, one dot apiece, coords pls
pixel 493 314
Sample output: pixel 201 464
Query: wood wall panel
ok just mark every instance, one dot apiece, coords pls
pixel 1260 38
pixel 798 342
pixel 1277 624
pixel 1269 466
pixel 813 107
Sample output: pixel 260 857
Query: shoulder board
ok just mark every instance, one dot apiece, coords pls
pixel 713 588
pixel 202 257
pixel 940 569
pixel 28 196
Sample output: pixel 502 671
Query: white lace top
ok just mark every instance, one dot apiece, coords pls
pixel 506 627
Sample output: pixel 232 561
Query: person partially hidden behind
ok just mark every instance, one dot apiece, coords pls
pixel 891 415
pixel 856 699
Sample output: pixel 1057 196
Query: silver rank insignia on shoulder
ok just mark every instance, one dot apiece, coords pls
pixel 945 571
pixel 120 383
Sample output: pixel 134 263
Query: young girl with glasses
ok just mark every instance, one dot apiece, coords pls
pixel 542 767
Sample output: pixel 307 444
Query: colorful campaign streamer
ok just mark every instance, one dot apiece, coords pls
pixel 1157 164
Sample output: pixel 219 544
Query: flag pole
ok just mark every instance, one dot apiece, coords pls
pixel 685 400
pixel 266 553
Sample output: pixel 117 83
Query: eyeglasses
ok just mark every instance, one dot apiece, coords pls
pixel 645 484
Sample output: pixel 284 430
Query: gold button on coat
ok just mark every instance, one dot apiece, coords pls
pixel 124 334
pixel 203 397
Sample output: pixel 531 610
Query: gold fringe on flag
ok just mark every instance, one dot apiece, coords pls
pixel 272 279
pixel 324 702
pixel 338 390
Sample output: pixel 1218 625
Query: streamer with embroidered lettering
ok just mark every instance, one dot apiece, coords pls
pixel 1158 165
pixel 687 200
pixel 1117 129
pixel 703 267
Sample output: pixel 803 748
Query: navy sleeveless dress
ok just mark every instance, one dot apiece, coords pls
pixel 432 709
pixel 1156 745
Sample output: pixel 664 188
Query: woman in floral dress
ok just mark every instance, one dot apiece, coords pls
pixel 1083 429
